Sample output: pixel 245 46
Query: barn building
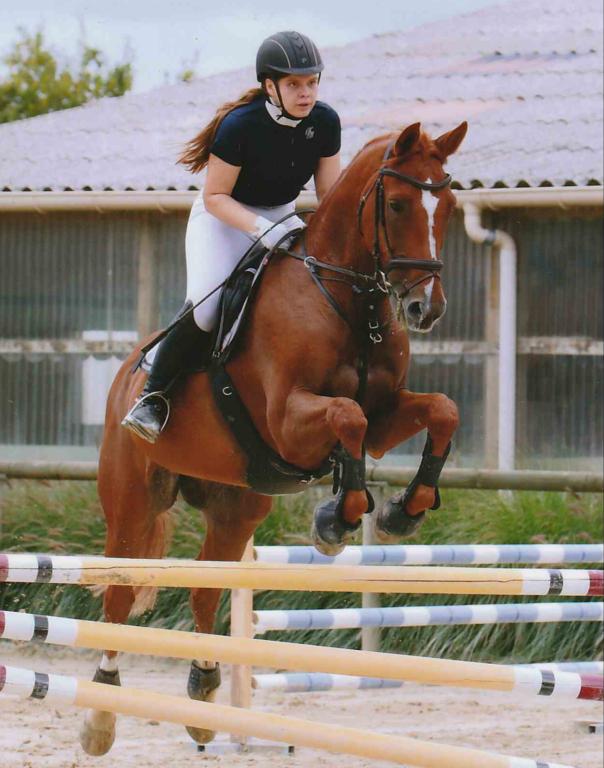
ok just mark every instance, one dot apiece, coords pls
pixel 93 210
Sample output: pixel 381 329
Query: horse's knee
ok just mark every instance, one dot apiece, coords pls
pixel 204 604
pixel 348 422
pixel 443 414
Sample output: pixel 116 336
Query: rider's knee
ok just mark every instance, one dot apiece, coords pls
pixel 205 315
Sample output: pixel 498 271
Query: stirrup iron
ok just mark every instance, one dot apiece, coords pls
pixel 129 420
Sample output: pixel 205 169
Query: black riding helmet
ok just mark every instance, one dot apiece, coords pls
pixel 287 53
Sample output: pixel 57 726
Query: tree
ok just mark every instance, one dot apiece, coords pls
pixel 37 83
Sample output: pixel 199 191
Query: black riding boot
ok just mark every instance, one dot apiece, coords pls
pixel 185 344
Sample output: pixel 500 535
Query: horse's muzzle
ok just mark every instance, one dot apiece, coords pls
pixel 422 314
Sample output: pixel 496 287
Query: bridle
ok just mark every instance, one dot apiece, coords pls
pixel 397 261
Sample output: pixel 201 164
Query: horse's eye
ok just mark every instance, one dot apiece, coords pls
pixel 397 205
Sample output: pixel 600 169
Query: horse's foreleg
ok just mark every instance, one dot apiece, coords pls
pixel 404 512
pixel 232 516
pixel 310 427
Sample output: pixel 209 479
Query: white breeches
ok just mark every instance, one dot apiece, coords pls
pixel 213 251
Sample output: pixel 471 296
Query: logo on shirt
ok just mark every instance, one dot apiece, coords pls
pixel 310 132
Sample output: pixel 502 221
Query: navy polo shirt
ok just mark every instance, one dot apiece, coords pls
pixel 276 160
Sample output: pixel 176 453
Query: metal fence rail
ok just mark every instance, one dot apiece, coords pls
pixel 488 479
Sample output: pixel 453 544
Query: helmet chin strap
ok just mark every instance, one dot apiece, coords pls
pixel 281 105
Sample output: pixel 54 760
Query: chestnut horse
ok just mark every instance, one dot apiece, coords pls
pixel 322 368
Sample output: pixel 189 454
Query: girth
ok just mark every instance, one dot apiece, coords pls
pixel 266 471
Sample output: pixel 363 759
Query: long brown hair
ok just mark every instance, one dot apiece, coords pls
pixel 196 153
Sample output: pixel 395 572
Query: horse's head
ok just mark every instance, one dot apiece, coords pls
pixel 408 220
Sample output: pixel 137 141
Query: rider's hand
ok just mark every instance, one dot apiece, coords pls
pixel 294 222
pixel 270 233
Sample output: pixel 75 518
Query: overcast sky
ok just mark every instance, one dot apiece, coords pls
pixel 163 37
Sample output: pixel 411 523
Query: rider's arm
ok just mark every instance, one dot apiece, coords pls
pixel 221 178
pixel 326 174
pixel 218 201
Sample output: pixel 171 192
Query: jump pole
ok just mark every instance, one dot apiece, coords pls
pixel 425 616
pixel 371 553
pixel 305 658
pixel 328 578
pixel 63 690
pixel 308 682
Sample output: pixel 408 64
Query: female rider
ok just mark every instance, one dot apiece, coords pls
pixel 259 152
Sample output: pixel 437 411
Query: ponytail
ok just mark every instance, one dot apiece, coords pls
pixel 196 153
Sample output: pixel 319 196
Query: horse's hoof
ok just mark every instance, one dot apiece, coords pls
pixel 392 522
pixel 202 686
pixel 330 533
pixel 97 733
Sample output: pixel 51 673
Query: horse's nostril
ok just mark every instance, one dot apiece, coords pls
pixel 415 310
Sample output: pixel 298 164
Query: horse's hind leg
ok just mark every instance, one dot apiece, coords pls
pixel 135 500
pixel 232 515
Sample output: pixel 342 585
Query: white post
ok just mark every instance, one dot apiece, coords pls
pixel 507 351
pixel 507 330
pixel 370 636
pixel 241 626
pixel 492 362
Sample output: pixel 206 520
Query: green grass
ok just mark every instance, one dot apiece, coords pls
pixel 67 518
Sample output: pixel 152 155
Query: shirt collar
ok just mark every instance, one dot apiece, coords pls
pixel 276 113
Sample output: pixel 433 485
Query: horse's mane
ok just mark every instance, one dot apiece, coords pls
pixel 424 147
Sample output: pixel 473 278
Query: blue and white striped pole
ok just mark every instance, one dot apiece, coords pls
pixel 440 554
pixel 416 616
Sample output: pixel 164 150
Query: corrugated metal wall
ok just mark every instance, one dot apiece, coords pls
pixel 560 275
pixel 67 275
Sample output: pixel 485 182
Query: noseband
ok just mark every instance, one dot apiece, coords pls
pixel 397 261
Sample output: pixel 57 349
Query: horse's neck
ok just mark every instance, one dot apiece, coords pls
pixel 333 233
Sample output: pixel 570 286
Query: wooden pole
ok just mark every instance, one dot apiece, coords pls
pixel 302 658
pixel 400 579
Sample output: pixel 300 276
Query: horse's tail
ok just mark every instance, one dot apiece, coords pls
pixel 158 544
pixel 159 541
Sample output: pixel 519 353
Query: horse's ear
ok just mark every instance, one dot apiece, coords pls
pixel 449 142
pixel 407 140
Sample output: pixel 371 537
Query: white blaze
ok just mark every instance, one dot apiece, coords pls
pixel 430 203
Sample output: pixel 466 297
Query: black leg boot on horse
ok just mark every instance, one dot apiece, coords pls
pixel 185 346
pixel 393 521
pixel 330 531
